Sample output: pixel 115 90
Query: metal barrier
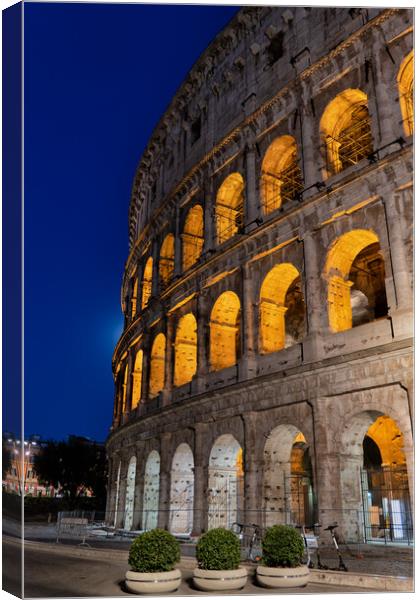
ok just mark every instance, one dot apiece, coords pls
pixel 80 525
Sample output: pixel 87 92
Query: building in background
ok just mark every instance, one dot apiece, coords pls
pixel 264 374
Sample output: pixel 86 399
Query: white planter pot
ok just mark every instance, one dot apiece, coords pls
pixel 153 583
pixel 282 577
pixel 214 581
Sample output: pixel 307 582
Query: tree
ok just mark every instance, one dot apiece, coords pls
pixel 73 467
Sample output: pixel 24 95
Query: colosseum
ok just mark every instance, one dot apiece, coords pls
pixel 264 374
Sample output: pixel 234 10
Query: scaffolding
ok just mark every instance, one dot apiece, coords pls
pixel 353 144
pixel 283 187
pixel 229 220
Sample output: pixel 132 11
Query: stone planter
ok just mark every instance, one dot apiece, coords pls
pixel 283 577
pixel 215 581
pixel 153 583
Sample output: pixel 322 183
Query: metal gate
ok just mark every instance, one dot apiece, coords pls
pixel 386 505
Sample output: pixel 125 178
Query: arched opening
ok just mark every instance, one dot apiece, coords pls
pixel 281 177
pixel 182 491
pixel 406 91
pixel 135 283
pixel 374 456
pixel 355 272
pixel 185 365
pixel 192 237
pixel 225 331
pixel 225 499
pixel 137 380
pixel 151 491
pixel 346 130
pixel 124 390
pixel 282 309
pixel 288 487
pixel 229 207
pixel 167 260
pixel 129 494
pixel 147 282
pixel 157 365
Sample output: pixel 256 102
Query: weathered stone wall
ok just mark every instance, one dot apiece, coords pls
pixel 271 72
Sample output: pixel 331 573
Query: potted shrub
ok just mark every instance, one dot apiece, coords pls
pixel 152 559
pixel 282 553
pixel 218 555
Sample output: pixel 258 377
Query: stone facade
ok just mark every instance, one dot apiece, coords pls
pixel 268 290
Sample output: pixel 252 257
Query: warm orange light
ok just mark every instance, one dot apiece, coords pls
pixel 192 237
pixel 157 365
pixel 134 298
pixel 389 439
pixel 185 365
pixel 281 178
pixel 137 378
pixel 166 261
pixel 229 207
pixel 147 282
pixel 405 86
pixel 124 389
pixel 224 331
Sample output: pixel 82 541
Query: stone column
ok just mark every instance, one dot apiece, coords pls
pixel 144 395
pixel 164 481
pixel 315 305
pixel 248 362
pixel 155 273
pixel 203 340
pixel 169 359
pixel 251 194
pixel 178 245
pixel 129 390
pixel 121 495
pixel 201 476
pixel 253 471
pixel 209 218
pixel 310 143
pixel 139 488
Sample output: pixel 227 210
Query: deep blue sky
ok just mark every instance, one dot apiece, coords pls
pixel 97 79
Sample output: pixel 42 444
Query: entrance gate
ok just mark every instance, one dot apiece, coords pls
pixel 386 505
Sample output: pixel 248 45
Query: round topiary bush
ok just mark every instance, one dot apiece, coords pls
pixel 154 551
pixel 282 546
pixel 218 550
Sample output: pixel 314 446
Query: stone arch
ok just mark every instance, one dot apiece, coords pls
pixel 185 361
pixel 229 207
pixel 192 237
pixel 376 497
pixel 167 259
pixel 345 130
pixel 355 273
pixel 405 80
pixel 137 380
pixel 281 177
pixel 134 292
pixel 151 491
pixel 225 331
pixel 157 365
pixel 225 490
pixel 129 493
pixel 281 295
pixel 146 291
pixel 182 491
pixel 288 486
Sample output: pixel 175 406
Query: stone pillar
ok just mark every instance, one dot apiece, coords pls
pixel 209 218
pixel 178 245
pixel 251 194
pixel 309 146
pixel 169 359
pixel 155 273
pixel 129 390
pixel 164 481
pixel 139 488
pixel 144 395
pixel 201 476
pixel 253 471
pixel 119 522
pixel 203 340
pixel 315 306
pixel 248 362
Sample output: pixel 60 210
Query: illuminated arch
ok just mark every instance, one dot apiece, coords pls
pixel 147 282
pixel 185 365
pixel 182 491
pixel 134 297
pixel 166 260
pixel 192 237
pixel 405 87
pixel 137 379
pixel 342 272
pixel 151 491
pixel 224 331
pixel 157 365
pixel 281 178
pixel 345 130
pixel 225 485
pixel 273 306
pixel 229 207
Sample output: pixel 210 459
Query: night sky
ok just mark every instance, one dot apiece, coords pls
pixel 97 80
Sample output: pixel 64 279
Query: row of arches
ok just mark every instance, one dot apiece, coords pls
pixel 372 459
pixel 346 139
pixel 356 294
